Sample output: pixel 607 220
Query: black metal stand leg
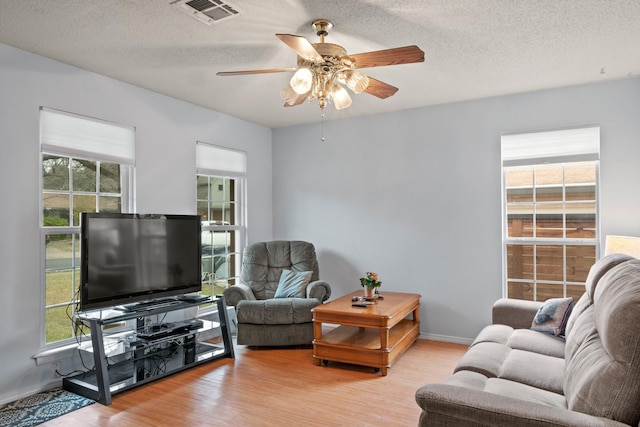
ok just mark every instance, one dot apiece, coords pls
pixel 223 315
pixel 100 360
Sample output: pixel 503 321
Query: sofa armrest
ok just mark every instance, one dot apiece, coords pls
pixel 236 293
pixel 319 289
pixel 516 313
pixel 444 404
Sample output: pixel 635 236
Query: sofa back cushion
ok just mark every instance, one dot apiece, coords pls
pixel 602 376
pixel 596 271
pixel 263 263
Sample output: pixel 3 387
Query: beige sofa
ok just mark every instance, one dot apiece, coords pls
pixel 514 376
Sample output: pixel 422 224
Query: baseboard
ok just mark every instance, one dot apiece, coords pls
pixel 446 338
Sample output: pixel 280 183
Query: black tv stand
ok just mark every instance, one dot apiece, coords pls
pixel 129 356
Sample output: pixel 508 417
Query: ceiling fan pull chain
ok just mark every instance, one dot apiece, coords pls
pixel 322 127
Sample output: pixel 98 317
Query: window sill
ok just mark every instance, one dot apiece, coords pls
pixel 51 355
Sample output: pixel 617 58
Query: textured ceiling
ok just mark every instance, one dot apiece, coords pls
pixel 473 48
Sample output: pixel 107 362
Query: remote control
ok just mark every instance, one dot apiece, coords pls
pixel 362 304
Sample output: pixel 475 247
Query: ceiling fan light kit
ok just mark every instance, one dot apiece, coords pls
pixel 322 69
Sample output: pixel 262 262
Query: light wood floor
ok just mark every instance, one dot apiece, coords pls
pixel 266 387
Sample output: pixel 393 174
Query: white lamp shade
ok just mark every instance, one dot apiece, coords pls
pixel 622 245
pixel 340 96
pixel 355 81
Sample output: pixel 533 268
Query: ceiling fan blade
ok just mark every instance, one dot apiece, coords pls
pixel 299 100
pixel 268 70
pixel 379 58
pixel 302 46
pixel 380 89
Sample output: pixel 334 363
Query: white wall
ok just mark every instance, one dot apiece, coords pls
pixel 166 132
pixel 415 195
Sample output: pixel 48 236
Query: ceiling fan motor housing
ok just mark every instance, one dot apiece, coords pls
pixel 333 55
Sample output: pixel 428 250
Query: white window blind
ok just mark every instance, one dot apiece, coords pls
pixel 214 160
pixel 78 136
pixel 558 146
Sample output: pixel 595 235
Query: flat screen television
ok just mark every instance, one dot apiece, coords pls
pixel 127 258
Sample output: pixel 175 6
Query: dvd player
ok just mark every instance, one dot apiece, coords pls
pixel 169 329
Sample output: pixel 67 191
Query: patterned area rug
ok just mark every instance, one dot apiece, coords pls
pixel 41 407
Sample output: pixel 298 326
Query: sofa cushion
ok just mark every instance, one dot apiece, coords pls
pixel 263 262
pixel 494 345
pixel 584 327
pixel 494 333
pixel 292 284
pixel 600 268
pixel 597 270
pixel 467 379
pixel 485 358
pixel 504 387
pixel 579 307
pixel 533 369
pixel 537 342
pixel 552 316
pixel 522 339
pixel 520 391
pixel 602 375
pixel 280 311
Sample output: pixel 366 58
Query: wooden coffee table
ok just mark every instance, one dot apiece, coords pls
pixel 374 336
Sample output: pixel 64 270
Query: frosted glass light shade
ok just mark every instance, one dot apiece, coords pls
pixel 301 80
pixel 355 81
pixel 340 96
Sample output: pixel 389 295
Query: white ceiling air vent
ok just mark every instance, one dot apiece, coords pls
pixel 207 11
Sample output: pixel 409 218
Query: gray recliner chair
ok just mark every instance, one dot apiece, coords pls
pixel 267 321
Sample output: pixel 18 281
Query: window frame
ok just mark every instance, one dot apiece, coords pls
pixel 589 154
pixel 211 168
pixel 127 200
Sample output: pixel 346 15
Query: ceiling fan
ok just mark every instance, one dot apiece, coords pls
pixel 323 69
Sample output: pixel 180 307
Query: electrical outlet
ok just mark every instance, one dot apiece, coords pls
pixel 55 369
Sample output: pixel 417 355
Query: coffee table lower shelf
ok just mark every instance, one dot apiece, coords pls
pixel 362 346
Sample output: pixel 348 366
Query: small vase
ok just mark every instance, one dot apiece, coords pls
pixel 369 292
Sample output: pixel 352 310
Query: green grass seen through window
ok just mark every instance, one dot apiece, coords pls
pixel 59 291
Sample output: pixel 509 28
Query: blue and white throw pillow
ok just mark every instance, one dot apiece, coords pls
pixel 293 285
pixel 552 316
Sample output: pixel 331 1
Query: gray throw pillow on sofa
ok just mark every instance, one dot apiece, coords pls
pixel 552 316
pixel 293 285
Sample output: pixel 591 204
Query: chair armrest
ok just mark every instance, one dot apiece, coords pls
pixel 238 292
pixel 445 404
pixel 319 289
pixel 516 313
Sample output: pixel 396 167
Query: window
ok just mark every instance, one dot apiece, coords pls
pixel 550 199
pixel 86 166
pixel 220 183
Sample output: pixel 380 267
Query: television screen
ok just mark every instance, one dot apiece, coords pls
pixel 127 258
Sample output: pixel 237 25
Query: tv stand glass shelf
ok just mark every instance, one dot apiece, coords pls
pixel 126 357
